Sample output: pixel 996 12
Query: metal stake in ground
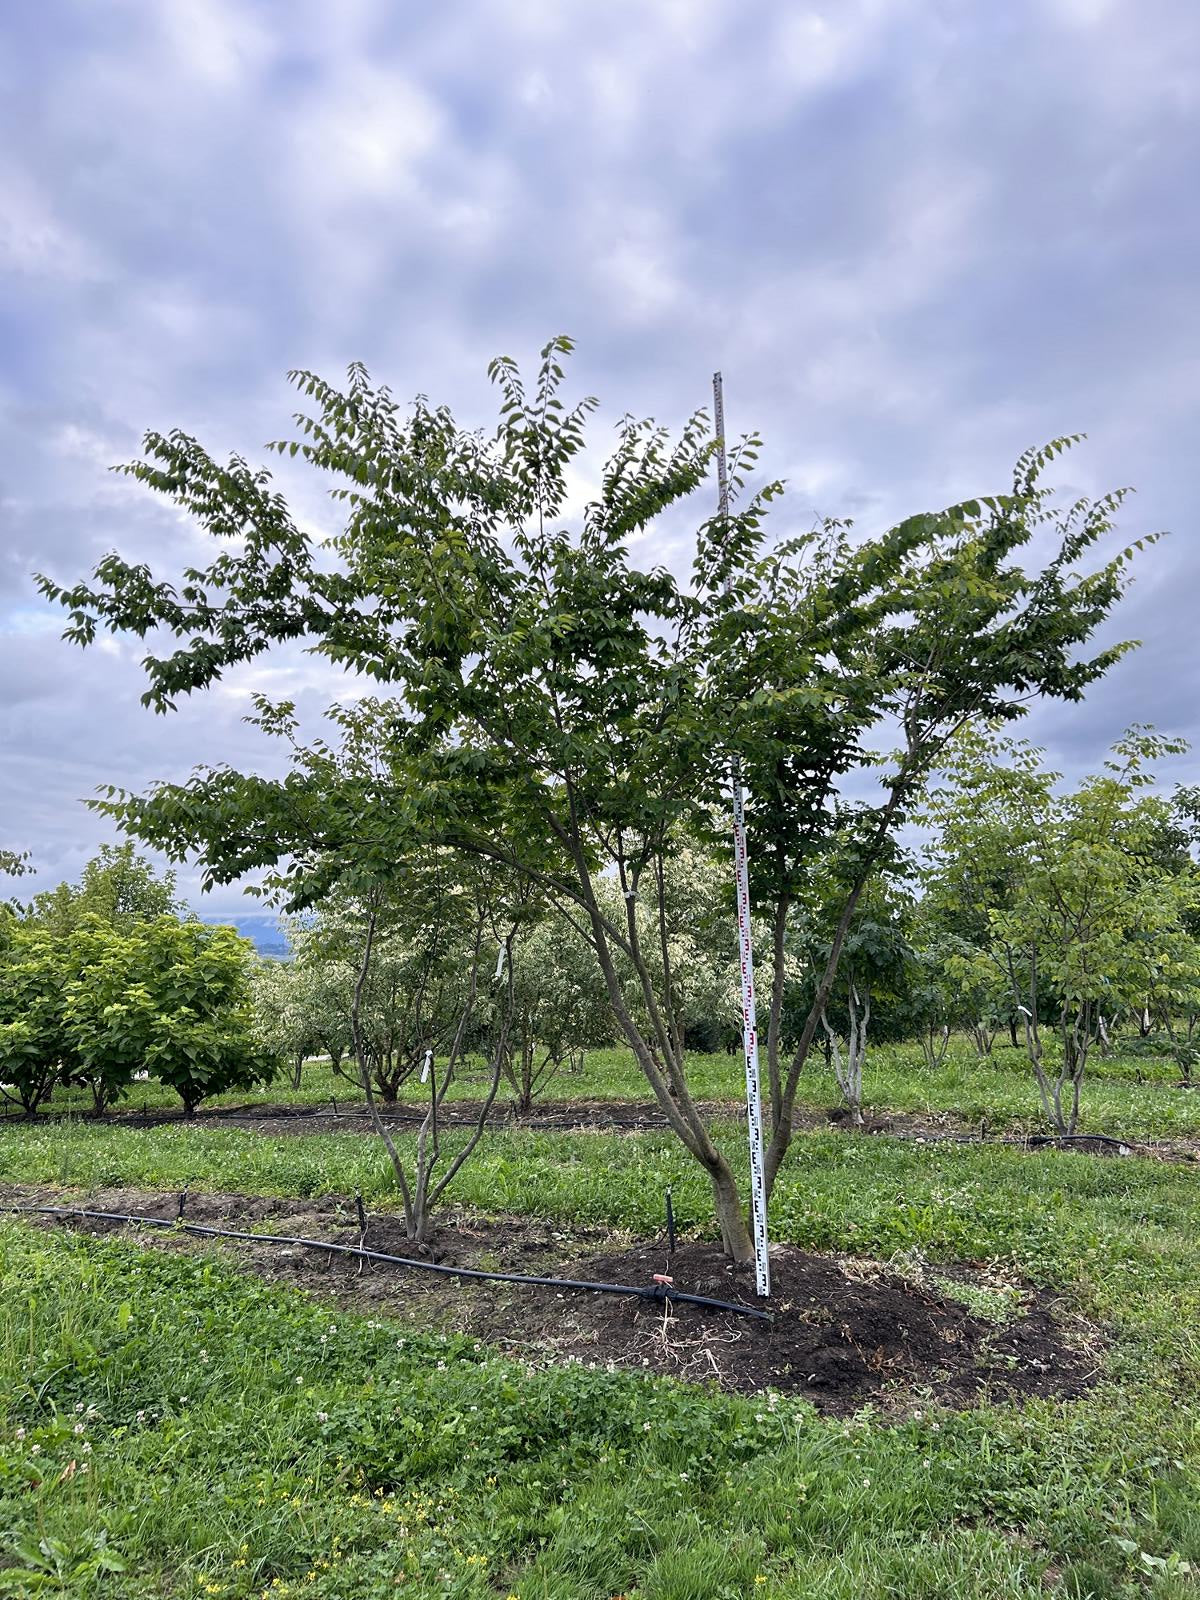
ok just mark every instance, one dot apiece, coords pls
pixel 758 1188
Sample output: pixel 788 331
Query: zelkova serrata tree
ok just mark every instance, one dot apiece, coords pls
pixel 557 709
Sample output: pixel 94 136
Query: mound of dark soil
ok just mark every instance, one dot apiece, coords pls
pixel 844 1332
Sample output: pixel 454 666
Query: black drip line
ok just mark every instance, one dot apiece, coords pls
pixel 660 1292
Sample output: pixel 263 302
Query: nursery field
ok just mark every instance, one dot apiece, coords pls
pixel 1133 1092
pixel 983 1378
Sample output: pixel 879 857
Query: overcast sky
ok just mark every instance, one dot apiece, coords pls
pixel 917 237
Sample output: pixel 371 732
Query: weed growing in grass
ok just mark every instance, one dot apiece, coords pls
pixel 991 1305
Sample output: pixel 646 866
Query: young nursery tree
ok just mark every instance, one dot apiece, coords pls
pixel 874 973
pixel 428 940
pixel 933 1002
pixel 297 1010
pixel 1092 922
pixel 442 917
pixel 174 997
pixel 101 997
pixel 560 1007
pixel 34 1046
pixel 549 706
pixel 118 888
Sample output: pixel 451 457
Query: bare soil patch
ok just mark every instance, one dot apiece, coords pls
pixel 846 1332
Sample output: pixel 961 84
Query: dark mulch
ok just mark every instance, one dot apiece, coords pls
pixel 846 1332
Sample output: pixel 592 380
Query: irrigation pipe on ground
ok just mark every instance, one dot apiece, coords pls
pixel 659 1292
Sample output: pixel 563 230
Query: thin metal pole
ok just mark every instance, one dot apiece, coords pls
pixel 758 1187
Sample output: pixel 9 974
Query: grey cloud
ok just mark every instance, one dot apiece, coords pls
pixel 916 239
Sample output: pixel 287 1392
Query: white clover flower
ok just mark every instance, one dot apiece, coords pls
pixel 20 1433
pixel 78 1428
pixel 322 1416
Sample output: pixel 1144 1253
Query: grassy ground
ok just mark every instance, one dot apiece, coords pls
pixel 1050 1212
pixel 244 1441
pixel 170 1427
pixel 1135 1094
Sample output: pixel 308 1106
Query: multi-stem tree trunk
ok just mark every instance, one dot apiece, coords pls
pixel 420 1183
pixel 32 1090
pixel 982 1037
pixel 525 1074
pixel 1181 1045
pixel 659 1054
pixel 1060 1088
pixel 935 1042
pixel 848 1069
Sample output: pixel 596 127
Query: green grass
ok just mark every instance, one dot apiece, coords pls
pixel 308 1462
pixel 233 1440
pixel 1135 1094
pixel 1051 1212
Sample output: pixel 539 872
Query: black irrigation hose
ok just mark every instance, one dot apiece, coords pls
pixel 1082 1138
pixel 660 1291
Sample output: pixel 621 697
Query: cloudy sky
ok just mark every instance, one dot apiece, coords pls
pixel 916 235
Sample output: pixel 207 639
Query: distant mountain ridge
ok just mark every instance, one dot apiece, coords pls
pixel 261 927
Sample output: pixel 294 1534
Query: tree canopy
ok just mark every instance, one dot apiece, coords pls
pixel 546 703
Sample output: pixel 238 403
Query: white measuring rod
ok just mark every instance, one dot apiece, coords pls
pixel 758 1182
